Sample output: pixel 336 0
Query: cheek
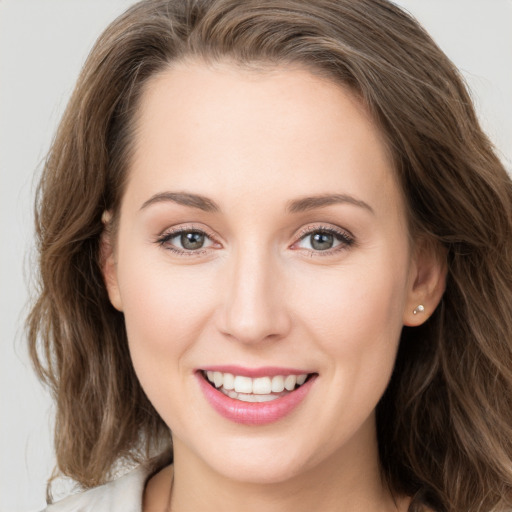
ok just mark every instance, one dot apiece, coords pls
pixel 165 310
pixel 355 314
pixel 354 300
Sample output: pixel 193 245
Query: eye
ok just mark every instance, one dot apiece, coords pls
pixel 185 241
pixel 191 240
pixel 324 240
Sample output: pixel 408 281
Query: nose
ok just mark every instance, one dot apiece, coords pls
pixel 254 307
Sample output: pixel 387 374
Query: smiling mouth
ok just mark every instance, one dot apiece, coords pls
pixel 255 390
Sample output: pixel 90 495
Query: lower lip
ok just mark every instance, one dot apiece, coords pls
pixel 253 413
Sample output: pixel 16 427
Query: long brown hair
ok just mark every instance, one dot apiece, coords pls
pixel 445 421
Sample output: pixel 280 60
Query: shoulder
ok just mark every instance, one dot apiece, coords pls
pixel 122 495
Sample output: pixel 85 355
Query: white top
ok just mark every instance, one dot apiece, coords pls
pixel 122 495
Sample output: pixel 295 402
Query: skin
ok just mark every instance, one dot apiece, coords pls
pixel 258 293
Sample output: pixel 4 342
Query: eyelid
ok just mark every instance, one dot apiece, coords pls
pixel 343 235
pixel 346 238
pixel 165 236
pixel 324 227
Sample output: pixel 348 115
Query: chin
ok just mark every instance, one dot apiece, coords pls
pixel 260 463
pixel 258 472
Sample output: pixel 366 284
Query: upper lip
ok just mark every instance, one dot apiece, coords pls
pixel 262 371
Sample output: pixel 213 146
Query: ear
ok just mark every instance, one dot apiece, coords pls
pixel 108 262
pixel 427 282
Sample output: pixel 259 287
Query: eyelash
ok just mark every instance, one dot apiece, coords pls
pixel 164 239
pixel 344 237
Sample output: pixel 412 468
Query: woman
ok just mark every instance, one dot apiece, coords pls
pixel 276 230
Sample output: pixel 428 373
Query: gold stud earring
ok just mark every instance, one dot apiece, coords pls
pixel 419 309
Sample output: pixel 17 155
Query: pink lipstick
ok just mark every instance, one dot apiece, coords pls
pixel 256 396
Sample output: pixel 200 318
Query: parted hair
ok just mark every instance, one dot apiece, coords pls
pixel 445 421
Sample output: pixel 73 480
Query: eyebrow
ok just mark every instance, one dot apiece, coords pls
pixel 310 203
pixel 185 199
pixel 296 206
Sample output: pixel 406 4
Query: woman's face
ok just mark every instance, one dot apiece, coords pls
pixel 263 239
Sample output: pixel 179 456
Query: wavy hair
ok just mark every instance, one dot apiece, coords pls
pixel 445 421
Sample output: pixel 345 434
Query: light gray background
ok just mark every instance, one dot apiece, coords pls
pixel 43 44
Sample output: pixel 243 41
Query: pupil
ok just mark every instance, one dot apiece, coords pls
pixel 322 241
pixel 192 240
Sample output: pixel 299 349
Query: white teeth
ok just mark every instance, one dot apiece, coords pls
pixel 278 384
pixel 248 397
pixel 260 386
pixel 218 379
pixel 229 381
pixel 301 379
pixel 290 381
pixel 256 398
pixel 243 384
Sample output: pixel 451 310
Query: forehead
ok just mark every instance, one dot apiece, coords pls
pixel 201 96
pixel 211 126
